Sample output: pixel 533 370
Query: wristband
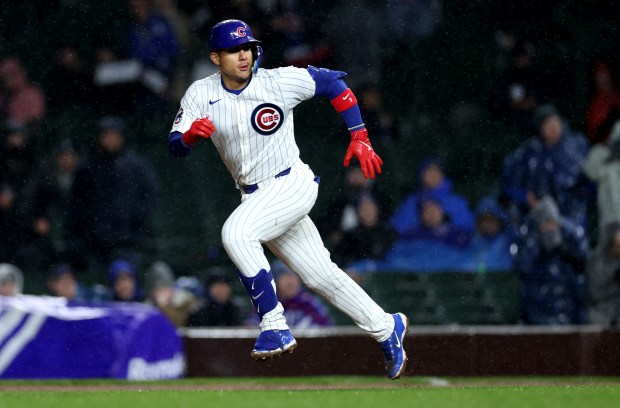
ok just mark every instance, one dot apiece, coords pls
pixel 344 101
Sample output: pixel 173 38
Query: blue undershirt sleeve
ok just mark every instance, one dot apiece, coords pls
pixel 176 146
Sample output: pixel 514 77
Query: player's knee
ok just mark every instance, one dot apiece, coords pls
pixel 233 238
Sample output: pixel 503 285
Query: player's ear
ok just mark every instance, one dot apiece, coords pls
pixel 215 58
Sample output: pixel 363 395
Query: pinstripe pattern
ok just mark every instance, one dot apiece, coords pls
pixel 275 215
pixel 249 156
pixel 302 250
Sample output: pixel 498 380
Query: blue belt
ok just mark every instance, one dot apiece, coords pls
pixel 253 187
pixel 249 189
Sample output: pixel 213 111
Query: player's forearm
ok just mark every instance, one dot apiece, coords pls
pixel 330 84
pixel 176 146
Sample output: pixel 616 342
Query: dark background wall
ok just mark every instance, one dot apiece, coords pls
pixel 456 351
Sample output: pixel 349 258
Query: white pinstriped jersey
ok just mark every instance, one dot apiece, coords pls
pixel 254 130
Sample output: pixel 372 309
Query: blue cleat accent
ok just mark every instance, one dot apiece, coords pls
pixel 393 350
pixel 273 343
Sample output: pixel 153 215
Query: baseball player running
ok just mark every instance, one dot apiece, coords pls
pixel 247 112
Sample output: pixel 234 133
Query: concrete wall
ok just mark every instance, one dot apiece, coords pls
pixel 435 351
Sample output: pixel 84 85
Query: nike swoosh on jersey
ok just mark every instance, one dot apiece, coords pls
pixel 216 101
pixel 257 296
pixel 397 342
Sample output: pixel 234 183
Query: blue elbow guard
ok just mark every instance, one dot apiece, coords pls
pixel 176 146
pixel 328 83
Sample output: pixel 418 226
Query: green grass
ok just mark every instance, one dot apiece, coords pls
pixel 496 392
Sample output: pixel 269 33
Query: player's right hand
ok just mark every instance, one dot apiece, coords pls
pixel 201 128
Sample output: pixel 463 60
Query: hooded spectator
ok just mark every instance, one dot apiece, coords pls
pixel 11 280
pixel 548 164
pixel 124 282
pixel 551 251
pixel 221 307
pixel 489 248
pixel 174 302
pixel 603 279
pixel 114 184
pixel 432 179
pixel 602 166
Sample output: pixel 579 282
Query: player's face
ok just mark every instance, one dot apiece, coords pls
pixel 235 65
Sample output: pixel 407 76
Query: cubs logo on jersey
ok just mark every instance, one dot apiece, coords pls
pixel 267 118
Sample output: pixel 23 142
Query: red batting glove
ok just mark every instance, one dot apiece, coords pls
pixel 201 128
pixel 360 146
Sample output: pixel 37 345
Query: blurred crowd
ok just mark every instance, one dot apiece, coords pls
pixel 552 217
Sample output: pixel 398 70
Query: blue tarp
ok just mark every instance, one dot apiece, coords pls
pixel 429 256
pixel 47 337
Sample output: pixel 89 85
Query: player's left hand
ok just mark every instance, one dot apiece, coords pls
pixel 360 147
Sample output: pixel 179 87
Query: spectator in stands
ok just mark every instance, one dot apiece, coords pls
pixel 432 178
pixel 63 282
pixel 48 195
pixel 69 82
pixel 25 246
pixel 180 23
pixel 370 239
pixel 301 308
pixel 548 164
pixel 152 40
pixel 342 216
pixel 200 18
pixel 435 224
pixel 294 28
pixel 602 166
pixel 520 89
pixel 604 104
pixel 112 198
pixel 550 260
pixel 377 119
pixel 603 279
pixel 17 157
pixel 489 248
pixel 123 281
pixel 21 101
pixel 11 280
pixel 11 220
pixel 162 293
pixel 221 307
pixel 139 80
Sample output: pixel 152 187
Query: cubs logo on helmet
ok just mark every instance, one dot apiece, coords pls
pixel 240 32
pixel 230 34
pixel 267 119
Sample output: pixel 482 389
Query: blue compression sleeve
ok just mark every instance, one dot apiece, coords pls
pixel 329 83
pixel 176 146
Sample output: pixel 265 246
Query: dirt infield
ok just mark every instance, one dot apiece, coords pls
pixel 212 385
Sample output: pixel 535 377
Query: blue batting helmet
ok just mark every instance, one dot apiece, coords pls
pixel 229 34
